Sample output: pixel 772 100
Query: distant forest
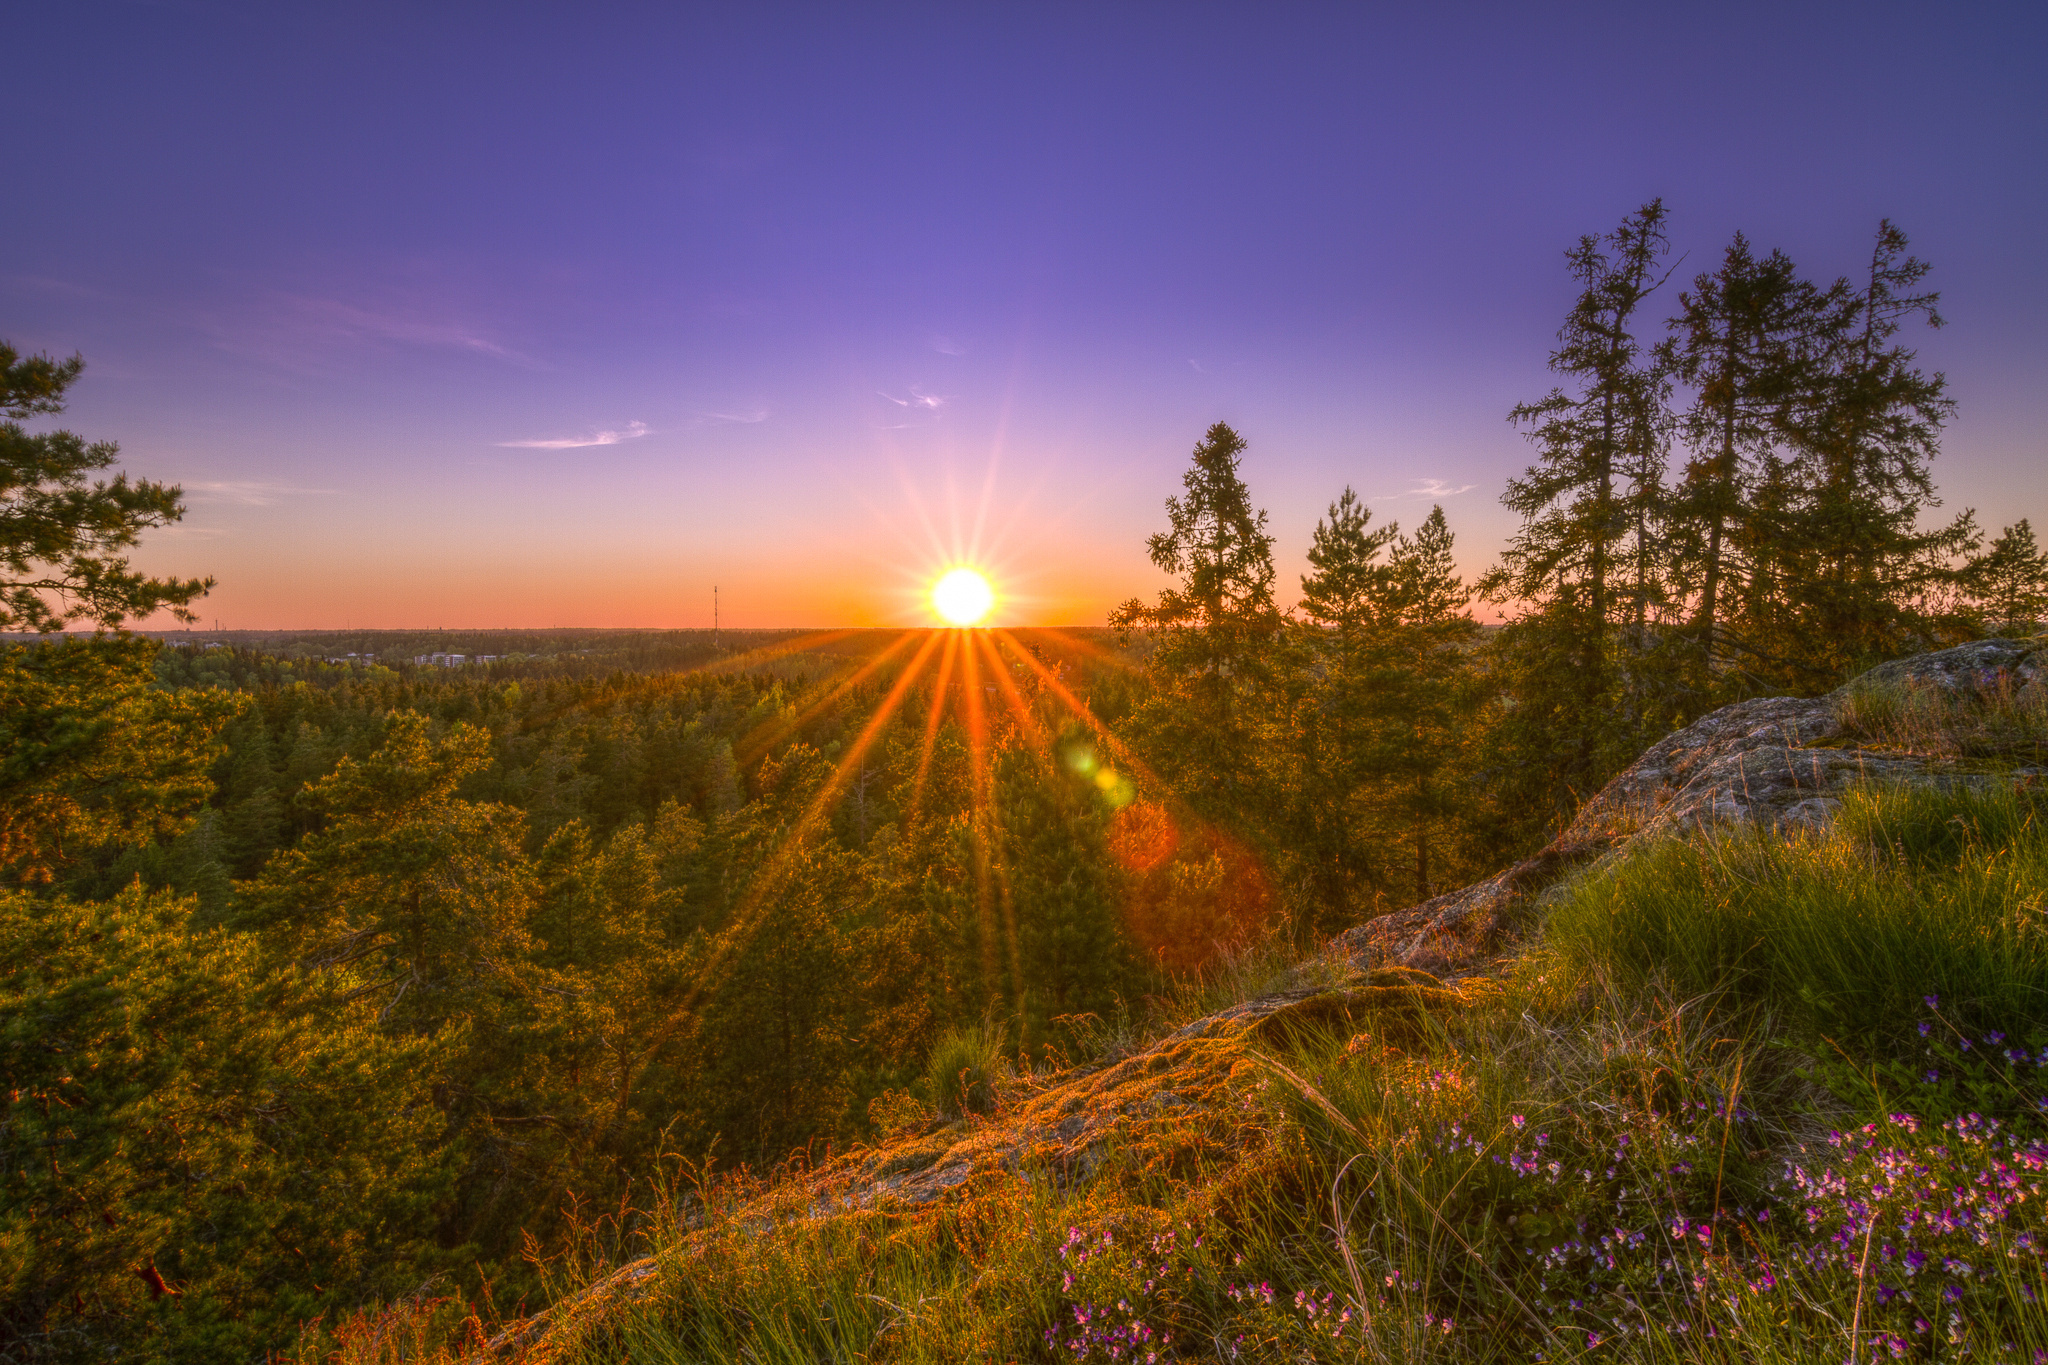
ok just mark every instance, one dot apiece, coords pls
pixel 321 977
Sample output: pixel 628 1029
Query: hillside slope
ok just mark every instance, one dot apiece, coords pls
pixel 1197 1108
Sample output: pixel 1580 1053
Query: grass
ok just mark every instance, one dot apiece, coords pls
pixel 1693 1125
pixel 966 1067
pixel 1913 894
pixel 2004 721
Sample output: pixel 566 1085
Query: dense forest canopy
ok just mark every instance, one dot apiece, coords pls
pixel 328 966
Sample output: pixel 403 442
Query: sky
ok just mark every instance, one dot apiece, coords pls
pixel 561 315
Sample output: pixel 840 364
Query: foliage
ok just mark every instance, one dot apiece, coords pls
pixel 2010 580
pixel 1384 706
pixel 346 980
pixel 1211 634
pixel 91 754
pixel 61 537
pixel 1576 1159
pixel 199 1151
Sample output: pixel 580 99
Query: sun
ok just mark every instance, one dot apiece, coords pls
pixel 963 596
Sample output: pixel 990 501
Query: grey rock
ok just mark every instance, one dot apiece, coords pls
pixel 1771 763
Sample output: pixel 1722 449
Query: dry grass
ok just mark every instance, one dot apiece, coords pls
pixel 2003 721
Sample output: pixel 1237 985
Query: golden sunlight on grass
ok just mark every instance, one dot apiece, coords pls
pixel 963 596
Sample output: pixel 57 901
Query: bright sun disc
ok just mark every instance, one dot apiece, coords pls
pixel 962 597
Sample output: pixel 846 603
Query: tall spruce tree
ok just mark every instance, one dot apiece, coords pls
pixel 1851 570
pixel 1741 341
pixel 1599 480
pixel 1588 556
pixel 2010 581
pixel 1211 633
pixel 1385 641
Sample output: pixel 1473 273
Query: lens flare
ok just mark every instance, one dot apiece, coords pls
pixel 962 597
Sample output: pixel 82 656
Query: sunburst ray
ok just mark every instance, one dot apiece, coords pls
pixel 771 731
pixel 769 879
pixel 932 722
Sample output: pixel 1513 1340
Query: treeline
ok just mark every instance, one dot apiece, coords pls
pixel 1732 500
pixel 503 654
pixel 319 981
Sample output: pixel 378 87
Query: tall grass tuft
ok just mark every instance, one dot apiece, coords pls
pixel 966 1068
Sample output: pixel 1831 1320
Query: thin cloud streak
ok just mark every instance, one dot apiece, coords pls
pixel 244 492
pixel 1426 488
pixel 633 431
pixel 931 402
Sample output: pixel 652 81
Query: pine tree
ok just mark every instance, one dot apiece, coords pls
pixel 1433 630
pixel 225 1150
pixel 1383 720
pixel 1741 342
pixel 1577 514
pixel 425 896
pixel 1587 565
pixel 1849 568
pixel 1061 886
pixel 1211 633
pixel 62 537
pixel 92 753
pixel 2010 581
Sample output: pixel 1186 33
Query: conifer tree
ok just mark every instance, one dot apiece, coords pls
pixel 92 753
pixel 1382 725
pixel 1332 861
pixel 1433 630
pixel 1742 343
pixel 223 1150
pixel 2010 581
pixel 62 535
pixel 1211 634
pixel 1061 887
pixel 1587 565
pixel 1849 568
pixel 425 896
pixel 1599 482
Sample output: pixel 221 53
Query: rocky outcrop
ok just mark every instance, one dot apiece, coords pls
pixel 1774 762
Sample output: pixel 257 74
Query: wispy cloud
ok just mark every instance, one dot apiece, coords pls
pixel 1196 366
pixel 750 415
pixel 632 431
pixel 243 492
pixel 1427 488
pixel 349 321
pixel 930 402
pixel 945 345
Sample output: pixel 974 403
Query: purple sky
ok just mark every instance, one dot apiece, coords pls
pixel 860 290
